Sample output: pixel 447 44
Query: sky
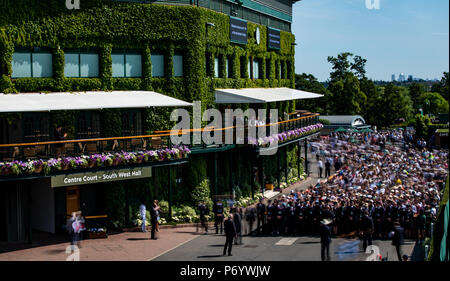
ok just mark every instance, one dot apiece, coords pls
pixel 402 36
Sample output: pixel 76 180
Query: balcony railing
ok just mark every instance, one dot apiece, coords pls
pixel 129 149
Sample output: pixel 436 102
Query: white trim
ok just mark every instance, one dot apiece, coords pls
pixel 261 95
pixel 173 248
pixel 33 102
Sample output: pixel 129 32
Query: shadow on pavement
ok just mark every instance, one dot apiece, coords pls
pixel 418 253
pixel 210 256
pixel 40 239
pixel 138 239
pixel 55 252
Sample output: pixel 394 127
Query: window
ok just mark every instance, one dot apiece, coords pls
pixel 256 69
pixel 157 65
pixel 35 127
pixel 131 123
pixel 78 63
pixel 289 69
pixel 126 63
pixel 88 125
pixel 28 63
pixel 178 65
pixel 243 67
pixel 249 69
pixel 216 67
pixel 228 67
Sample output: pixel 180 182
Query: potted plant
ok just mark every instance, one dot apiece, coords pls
pixel 92 162
pixel 38 166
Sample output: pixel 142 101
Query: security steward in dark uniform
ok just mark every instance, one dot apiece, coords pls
pixel 366 228
pixel 309 218
pixel 261 214
pixel 278 216
pixel 300 218
pixel 378 214
pixel 281 218
pixel 270 217
pixel 218 216
pixel 203 210
pixel 291 218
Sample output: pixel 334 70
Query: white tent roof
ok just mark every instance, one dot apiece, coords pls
pixel 85 100
pixel 261 95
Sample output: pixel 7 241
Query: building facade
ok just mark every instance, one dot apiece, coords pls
pixel 182 49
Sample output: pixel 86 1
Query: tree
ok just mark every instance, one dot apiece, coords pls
pixel 309 83
pixel 373 93
pixel 442 86
pixel 420 124
pixel 347 96
pixel 433 103
pixel 415 91
pixel 395 103
pixel 359 67
pixel 201 193
pixel 341 66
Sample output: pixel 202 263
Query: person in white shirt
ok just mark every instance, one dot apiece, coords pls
pixel 320 165
pixel 142 212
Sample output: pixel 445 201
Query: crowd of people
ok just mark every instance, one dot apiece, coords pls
pixel 381 181
pixel 375 184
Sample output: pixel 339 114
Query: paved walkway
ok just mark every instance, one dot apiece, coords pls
pixel 127 246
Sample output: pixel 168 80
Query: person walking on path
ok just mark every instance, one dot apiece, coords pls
pixel 261 213
pixel 366 229
pixel 250 215
pixel 238 225
pixel 218 216
pixel 325 239
pixel 230 234
pixel 154 215
pixel 143 212
pixel 327 169
pixel 320 166
pixel 203 210
pixel 398 239
pixel 71 230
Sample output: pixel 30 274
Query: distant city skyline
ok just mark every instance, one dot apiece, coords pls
pixel 403 36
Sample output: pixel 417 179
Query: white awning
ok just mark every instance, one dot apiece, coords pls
pixel 261 95
pixel 32 102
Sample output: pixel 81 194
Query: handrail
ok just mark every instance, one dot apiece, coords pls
pixel 165 133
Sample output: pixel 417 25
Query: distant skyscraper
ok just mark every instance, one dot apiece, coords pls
pixel 410 78
pixel 393 77
pixel 401 77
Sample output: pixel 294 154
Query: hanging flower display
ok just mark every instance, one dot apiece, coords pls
pixel 17 167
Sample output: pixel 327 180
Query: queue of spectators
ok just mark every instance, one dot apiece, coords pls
pixel 375 184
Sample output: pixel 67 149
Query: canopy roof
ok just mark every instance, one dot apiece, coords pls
pixel 346 120
pixel 261 95
pixel 32 102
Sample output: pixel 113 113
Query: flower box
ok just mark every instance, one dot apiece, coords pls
pixel 92 163
pixel 38 169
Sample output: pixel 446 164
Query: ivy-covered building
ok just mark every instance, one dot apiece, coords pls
pixel 182 49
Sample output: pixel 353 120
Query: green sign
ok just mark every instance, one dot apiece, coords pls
pixel 101 176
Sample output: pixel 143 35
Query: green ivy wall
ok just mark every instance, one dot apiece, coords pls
pixel 148 27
